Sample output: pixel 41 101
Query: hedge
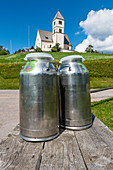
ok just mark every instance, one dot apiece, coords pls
pixel 102 68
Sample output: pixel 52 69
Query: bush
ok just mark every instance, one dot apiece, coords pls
pixel 38 49
pixel 3 52
pixel 56 48
pixel 53 49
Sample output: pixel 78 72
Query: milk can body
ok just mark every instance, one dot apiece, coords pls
pixel 39 119
pixel 75 102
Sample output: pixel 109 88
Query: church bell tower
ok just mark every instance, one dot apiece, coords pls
pixel 58 30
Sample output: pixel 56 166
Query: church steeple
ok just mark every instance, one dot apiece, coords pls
pixel 58 29
pixel 58 16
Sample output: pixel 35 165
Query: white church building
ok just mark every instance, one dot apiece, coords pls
pixel 46 40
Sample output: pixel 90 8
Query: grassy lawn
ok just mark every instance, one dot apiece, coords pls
pixel 12 83
pixel 95 83
pixel 99 65
pixel 19 58
pixel 103 110
pixel 101 75
pixel 100 82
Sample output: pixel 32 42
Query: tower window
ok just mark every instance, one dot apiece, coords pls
pixel 50 46
pixel 54 23
pixel 54 31
pixel 60 30
pixel 46 37
pixel 60 22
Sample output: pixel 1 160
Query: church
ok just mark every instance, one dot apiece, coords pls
pixel 46 40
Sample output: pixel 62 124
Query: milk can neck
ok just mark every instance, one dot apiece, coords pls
pixel 72 58
pixel 72 61
pixel 44 57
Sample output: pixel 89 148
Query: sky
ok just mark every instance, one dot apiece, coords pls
pixel 86 22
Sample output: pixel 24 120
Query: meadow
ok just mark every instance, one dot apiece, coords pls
pixel 100 67
pixel 19 58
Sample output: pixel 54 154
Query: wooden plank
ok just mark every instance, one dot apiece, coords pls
pixel 15 153
pixel 96 146
pixel 62 153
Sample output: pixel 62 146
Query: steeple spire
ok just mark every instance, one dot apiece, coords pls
pixel 58 16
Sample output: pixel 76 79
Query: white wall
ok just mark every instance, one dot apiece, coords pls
pixel 46 46
pixel 58 37
pixel 38 41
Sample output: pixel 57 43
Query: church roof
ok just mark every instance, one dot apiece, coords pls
pixel 58 16
pixel 45 36
pixel 66 39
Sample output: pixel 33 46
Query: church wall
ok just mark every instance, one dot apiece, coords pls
pixel 46 46
pixel 57 25
pixel 38 41
pixel 58 37
pixel 70 47
pixel 54 39
pixel 67 47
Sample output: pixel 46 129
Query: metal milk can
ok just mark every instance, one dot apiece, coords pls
pixel 75 102
pixel 39 113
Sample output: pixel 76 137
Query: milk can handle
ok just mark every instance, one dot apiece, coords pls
pixel 55 64
pixel 67 66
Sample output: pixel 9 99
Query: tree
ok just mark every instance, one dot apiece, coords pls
pixel 4 51
pixel 1 47
pixel 56 48
pixel 89 49
pixel 32 47
pixel 38 49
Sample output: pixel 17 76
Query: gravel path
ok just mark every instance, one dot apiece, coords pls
pixel 9 108
pixel 101 95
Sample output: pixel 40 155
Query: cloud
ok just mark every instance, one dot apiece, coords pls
pixel 99 30
pixel 77 33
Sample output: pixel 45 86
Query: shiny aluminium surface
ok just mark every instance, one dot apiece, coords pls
pixel 39 113
pixel 75 113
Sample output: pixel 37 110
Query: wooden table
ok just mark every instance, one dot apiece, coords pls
pixel 87 149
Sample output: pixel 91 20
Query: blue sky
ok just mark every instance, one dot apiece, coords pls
pixel 16 15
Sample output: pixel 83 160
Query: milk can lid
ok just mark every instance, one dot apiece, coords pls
pixel 72 58
pixel 34 56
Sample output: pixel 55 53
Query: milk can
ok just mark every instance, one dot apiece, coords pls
pixel 39 113
pixel 75 102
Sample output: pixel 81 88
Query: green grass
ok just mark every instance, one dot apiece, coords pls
pixel 95 83
pixel 99 65
pixel 12 83
pixel 14 58
pixel 100 82
pixel 19 58
pixel 103 110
